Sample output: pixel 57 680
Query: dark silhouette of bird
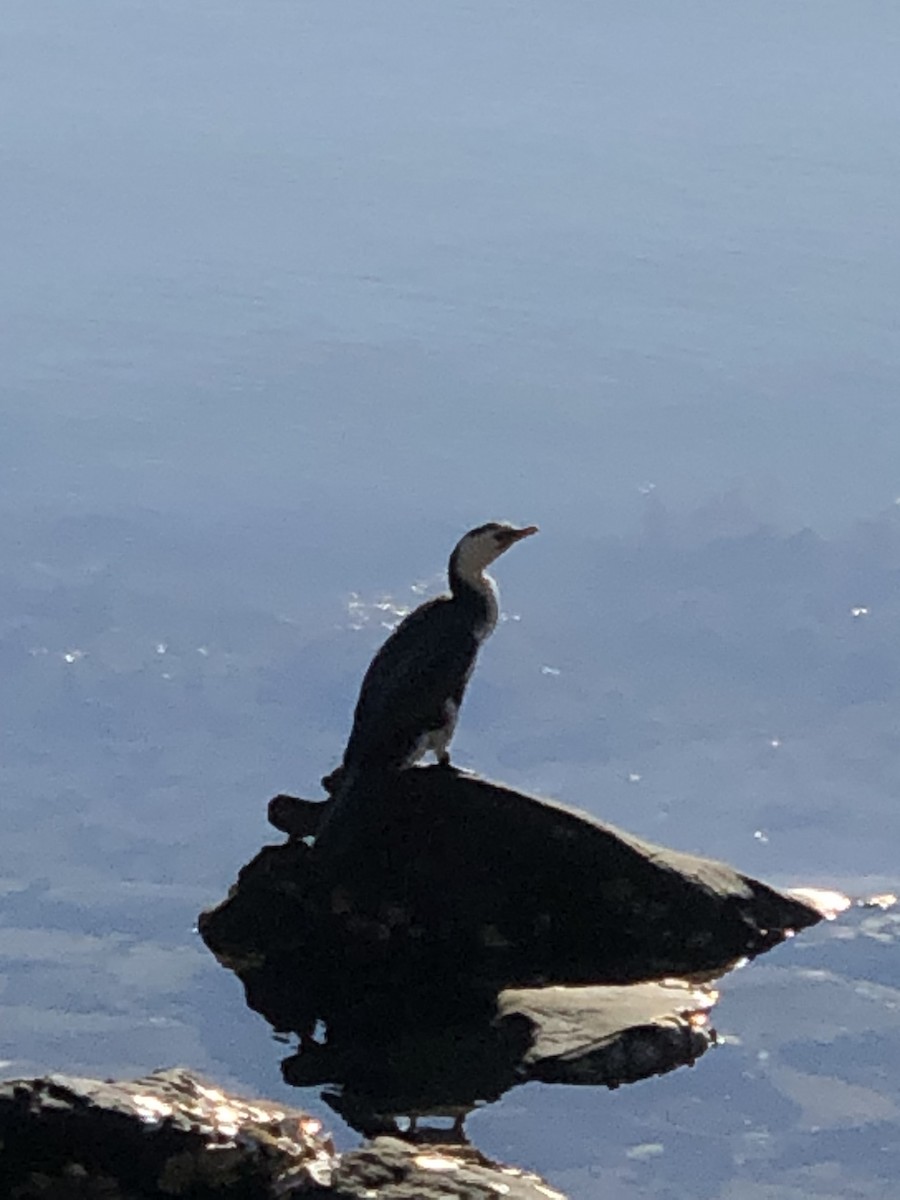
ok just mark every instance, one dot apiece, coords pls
pixel 411 694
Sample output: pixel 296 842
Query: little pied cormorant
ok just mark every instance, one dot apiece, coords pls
pixel 412 691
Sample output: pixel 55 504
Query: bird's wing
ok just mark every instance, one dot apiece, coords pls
pixel 425 661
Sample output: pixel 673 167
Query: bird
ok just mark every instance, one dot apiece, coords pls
pixel 411 694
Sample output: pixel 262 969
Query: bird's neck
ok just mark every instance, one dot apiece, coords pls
pixel 477 593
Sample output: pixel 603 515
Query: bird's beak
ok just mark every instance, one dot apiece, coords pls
pixel 516 535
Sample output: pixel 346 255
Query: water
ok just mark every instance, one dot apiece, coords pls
pixel 294 294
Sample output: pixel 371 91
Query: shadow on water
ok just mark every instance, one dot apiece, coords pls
pixel 444 939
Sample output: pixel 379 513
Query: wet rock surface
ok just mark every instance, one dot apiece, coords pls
pixel 172 1135
pixel 167 1134
pixel 393 1169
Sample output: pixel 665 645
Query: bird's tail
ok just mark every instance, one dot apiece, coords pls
pixel 351 788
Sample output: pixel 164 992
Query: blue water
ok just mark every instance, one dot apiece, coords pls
pixel 293 294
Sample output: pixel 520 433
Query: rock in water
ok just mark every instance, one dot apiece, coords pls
pixel 171 1134
pixel 456 937
pixel 438 876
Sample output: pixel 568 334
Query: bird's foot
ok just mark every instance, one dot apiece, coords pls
pixel 444 764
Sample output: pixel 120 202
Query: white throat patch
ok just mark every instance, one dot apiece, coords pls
pixel 488 588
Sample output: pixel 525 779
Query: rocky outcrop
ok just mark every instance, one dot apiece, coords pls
pixel 172 1135
pixel 432 940
pixel 454 938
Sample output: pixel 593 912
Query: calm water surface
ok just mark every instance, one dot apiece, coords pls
pixel 293 294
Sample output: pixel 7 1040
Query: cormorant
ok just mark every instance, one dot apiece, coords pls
pixel 412 691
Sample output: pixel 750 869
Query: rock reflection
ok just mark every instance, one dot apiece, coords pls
pixel 446 939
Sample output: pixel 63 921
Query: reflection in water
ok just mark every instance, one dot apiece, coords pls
pixel 420 947
pixel 584 1036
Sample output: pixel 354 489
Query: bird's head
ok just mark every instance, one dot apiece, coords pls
pixel 477 549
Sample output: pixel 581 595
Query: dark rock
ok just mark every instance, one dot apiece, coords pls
pixel 168 1134
pixel 392 1169
pixel 445 880
pixel 612 1035
pixel 299 818
pixel 451 935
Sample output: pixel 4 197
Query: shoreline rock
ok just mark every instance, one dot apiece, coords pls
pixel 171 1134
